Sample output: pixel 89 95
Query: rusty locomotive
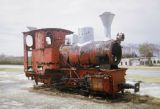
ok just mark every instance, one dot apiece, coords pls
pixel 92 67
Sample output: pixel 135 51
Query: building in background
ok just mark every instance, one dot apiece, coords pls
pixel 75 39
pixel 139 61
pixel 85 34
pixel 130 62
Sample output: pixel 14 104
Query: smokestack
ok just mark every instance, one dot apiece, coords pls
pixel 107 18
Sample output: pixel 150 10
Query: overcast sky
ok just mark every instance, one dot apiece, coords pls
pixel 138 19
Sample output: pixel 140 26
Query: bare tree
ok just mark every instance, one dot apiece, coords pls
pixel 146 50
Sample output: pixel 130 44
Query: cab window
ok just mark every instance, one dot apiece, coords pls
pixel 49 38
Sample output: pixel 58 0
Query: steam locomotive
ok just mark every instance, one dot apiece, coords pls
pixel 91 67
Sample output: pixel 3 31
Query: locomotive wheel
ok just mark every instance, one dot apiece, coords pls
pixel 84 92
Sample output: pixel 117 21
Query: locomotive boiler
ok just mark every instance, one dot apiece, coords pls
pixel 96 53
pixel 91 67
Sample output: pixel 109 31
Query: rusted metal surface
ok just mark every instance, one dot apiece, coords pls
pixel 43 55
pixel 48 60
pixel 92 54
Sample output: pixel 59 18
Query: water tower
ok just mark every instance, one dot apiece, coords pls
pixel 107 18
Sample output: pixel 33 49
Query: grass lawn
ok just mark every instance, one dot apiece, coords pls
pixel 142 67
pixel 139 77
pixel 11 69
pixel 144 78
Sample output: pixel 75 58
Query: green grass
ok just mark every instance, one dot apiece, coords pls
pixel 11 69
pixel 144 78
pixel 142 67
pixel 11 60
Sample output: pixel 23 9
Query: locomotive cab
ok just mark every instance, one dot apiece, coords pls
pixel 41 52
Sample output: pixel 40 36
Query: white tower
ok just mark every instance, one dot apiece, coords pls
pixel 75 39
pixel 107 18
pixel 85 34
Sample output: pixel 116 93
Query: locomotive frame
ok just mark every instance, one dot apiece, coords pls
pixel 45 65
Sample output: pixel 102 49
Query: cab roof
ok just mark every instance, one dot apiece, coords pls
pixel 48 29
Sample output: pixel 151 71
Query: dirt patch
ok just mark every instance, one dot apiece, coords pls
pixel 119 98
